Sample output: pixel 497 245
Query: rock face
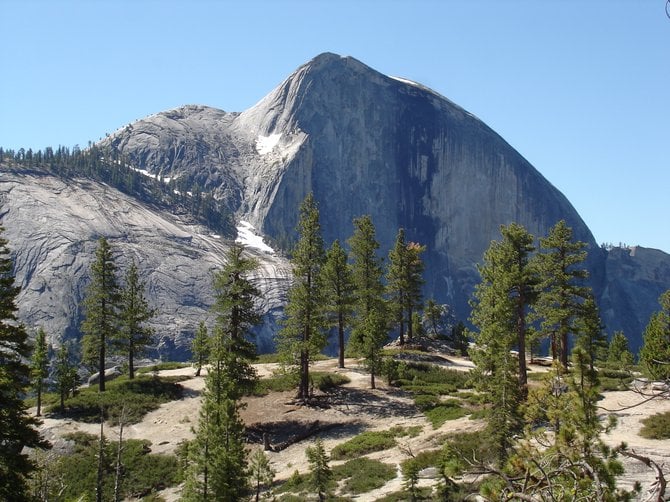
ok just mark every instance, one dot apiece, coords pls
pixel 53 227
pixel 363 143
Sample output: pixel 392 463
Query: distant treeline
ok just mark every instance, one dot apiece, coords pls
pixel 179 195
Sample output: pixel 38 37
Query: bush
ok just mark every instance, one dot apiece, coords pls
pixel 328 381
pixel 138 396
pixel 656 426
pixel 364 474
pixel 448 410
pixel 285 381
pixel 364 443
pixel 371 441
pixel 143 472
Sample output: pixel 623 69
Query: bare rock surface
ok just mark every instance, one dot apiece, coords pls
pixel 53 227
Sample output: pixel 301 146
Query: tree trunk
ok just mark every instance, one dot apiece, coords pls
pixel 131 365
pixel 521 342
pixel 39 400
pixel 340 337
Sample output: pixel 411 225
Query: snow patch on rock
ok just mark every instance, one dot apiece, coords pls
pixel 246 235
pixel 265 144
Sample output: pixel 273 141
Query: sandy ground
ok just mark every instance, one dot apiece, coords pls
pixel 353 409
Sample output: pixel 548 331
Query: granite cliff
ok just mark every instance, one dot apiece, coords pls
pixel 363 143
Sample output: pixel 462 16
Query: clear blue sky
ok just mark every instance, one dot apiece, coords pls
pixel 580 88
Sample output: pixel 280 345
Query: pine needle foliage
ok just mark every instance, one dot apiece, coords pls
pixel 302 336
pixel 17 428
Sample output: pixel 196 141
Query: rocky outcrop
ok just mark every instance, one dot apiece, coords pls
pixel 53 227
pixel 363 143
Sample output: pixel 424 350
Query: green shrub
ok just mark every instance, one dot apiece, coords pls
pixel 279 382
pixel 328 381
pixel 656 426
pixel 285 381
pixel 143 472
pixel 133 397
pixel 363 474
pixel 447 410
pixel 364 443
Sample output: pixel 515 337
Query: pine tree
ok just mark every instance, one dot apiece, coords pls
pixel 200 347
pixel 397 286
pixel 368 339
pixel 217 456
pixel 261 472
pixel 655 353
pixel 301 337
pixel 100 309
pixel 40 366
pixel 319 468
pixel 65 374
pixel 17 428
pixel 134 334
pixel 404 281
pixel 434 319
pixel 591 336
pixel 502 300
pixel 338 288
pixel 618 353
pixel 562 292
pixel 366 266
pixel 236 313
pixel 568 460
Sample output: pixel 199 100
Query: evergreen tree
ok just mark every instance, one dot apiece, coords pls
pixel 435 319
pixel 414 297
pixel 567 461
pixel 562 293
pixel 65 374
pixel 366 266
pixel 319 468
pixel 404 281
pixel 618 353
pixel 17 428
pixel 100 309
pixel 397 286
pixel 217 456
pixel 236 313
pixel 134 335
pixel 200 347
pixel 655 353
pixel 368 339
pixel 301 337
pixel 261 472
pixel 338 288
pixel 40 366
pixel 591 336
pixel 499 312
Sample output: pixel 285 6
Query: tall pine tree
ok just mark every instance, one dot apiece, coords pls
pixel 338 289
pixel 500 309
pixel 655 353
pixel 101 305
pixel 562 292
pixel 235 309
pixel 134 334
pixel 366 268
pixel 40 366
pixel 302 335
pixel 17 428
pixel 200 347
